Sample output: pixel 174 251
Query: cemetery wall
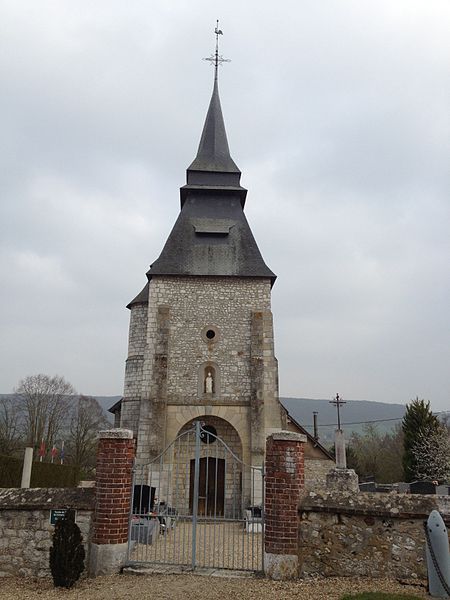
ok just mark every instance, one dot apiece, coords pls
pixel 316 471
pixel 371 535
pixel 26 531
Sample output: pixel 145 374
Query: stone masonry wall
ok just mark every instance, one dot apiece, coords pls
pixel 137 341
pixel 196 303
pixel 371 535
pixel 26 532
pixel 233 478
pixel 316 472
pixel 176 353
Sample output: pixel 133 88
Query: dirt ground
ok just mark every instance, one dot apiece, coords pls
pixel 194 587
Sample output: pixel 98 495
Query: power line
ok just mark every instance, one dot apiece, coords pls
pixel 442 412
pixel 360 422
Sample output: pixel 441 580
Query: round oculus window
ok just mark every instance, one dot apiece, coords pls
pixel 210 334
pixel 208 434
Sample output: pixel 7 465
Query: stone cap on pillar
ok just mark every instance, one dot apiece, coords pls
pixel 287 436
pixel 116 434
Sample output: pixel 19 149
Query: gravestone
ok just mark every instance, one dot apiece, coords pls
pixel 368 486
pixel 422 487
pixel 403 487
pixel 143 499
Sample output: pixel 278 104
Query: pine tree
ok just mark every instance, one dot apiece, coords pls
pixel 418 421
pixel 67 553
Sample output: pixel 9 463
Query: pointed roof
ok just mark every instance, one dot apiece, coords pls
pixel 211 236
pixel 141 298
pixel 213 152
pixel 213 168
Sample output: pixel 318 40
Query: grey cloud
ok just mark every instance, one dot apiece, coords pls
pixel 337 115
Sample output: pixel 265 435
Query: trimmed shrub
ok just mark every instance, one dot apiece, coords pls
pixel 67 553
pixel 42 474
pixel 10 472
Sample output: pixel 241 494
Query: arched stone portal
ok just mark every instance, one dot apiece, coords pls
pixel 222 475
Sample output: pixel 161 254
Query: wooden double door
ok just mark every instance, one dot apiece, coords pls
pixel 211 486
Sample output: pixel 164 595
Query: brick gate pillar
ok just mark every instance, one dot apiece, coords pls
pixel 113 477
pixel 284 482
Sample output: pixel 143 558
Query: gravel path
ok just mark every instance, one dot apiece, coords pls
pixel 193 587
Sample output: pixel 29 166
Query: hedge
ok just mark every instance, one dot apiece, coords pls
pixel 42 474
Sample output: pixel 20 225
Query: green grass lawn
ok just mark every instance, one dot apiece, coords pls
pixel 379 596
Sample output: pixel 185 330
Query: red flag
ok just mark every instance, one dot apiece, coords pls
pixel 54 452
pixel 42 450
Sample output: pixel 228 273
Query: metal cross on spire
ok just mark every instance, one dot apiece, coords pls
pixel 216 58
pixel 338 402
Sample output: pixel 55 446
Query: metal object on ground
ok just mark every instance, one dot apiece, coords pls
pixel 438 557
pixel 207 502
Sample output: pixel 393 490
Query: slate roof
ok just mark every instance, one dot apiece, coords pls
pixel 199 243
pixel 211 236
pixel 213 152
pixel 142 297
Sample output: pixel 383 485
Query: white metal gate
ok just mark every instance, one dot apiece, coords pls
pixel 197 505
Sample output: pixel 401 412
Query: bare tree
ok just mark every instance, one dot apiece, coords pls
pixel 88 418
pixel 9 425
pixel 377 454
pixel 45 405
pixel 431 453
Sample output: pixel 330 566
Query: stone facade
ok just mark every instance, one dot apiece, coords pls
pixel 170 355
pixel 26 532
pixel 316 471
pixel 370 535
pixel 234 476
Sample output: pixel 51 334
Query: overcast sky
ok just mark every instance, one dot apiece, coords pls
pixel 337 113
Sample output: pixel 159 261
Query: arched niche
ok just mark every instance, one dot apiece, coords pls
pixel 208 380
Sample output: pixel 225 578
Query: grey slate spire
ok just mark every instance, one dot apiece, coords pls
pixel 213 165
pixel 213 151
pixel 211 236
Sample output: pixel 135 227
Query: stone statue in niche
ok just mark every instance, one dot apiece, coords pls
pixel 209 383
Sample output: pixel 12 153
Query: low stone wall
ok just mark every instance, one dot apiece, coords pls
pixel 372 535
pixel 25 529
pixel 316 470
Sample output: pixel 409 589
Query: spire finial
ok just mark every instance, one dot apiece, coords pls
pixel 216 58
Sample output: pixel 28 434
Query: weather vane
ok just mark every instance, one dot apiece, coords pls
pixel 338 402
pixel 216 58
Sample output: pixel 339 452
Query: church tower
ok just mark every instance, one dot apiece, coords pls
pixel 201 343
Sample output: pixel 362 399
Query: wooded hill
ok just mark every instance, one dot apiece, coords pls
pixel 301 409
pixel 353 414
